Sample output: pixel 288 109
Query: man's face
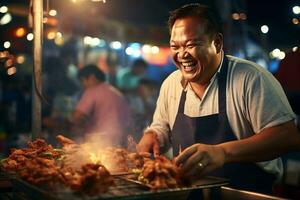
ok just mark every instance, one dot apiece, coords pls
pixel 85 82
pixel 193 52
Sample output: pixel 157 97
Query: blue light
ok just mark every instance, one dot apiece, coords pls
pixel 135 45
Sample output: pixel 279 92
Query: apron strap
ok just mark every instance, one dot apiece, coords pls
pixel 182 102
pixel 222 78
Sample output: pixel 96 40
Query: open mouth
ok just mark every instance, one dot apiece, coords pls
pixel 189 66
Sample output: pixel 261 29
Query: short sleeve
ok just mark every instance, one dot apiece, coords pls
pixel 86 102
pixel 266 102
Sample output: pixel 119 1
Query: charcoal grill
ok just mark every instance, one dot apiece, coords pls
pixel 125 189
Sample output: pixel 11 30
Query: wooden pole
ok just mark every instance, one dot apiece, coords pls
pixel 37 67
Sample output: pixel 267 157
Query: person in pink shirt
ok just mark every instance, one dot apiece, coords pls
pixel 102 111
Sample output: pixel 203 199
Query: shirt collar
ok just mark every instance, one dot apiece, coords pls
pixel 184 83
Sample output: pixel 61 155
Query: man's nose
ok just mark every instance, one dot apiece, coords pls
pixel 182 53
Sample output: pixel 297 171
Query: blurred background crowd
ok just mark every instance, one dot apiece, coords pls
pixel 128 41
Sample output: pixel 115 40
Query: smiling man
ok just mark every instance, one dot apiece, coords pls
pixel 230 117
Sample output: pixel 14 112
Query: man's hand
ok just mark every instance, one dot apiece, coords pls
pixel 149 143
pixel 200 159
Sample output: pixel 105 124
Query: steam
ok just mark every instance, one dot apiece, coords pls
pixel 96 149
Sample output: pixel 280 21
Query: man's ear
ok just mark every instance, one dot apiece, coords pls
pixel 218 42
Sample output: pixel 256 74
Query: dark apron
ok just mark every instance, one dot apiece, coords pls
pixel 215 129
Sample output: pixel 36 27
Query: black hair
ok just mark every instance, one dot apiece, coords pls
pixel 139 63
pixel 89 70
pixel 208 14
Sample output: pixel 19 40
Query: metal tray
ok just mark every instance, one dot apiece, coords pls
pixel 125 189
pixel 205 182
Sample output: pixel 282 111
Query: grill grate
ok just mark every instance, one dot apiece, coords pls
pixel 124 189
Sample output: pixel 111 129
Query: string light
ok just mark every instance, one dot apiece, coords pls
pixel 3 9
pixel 103 1
pixel 6 44
pixel 11 71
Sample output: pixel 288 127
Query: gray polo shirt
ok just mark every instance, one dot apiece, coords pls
pixel 255 100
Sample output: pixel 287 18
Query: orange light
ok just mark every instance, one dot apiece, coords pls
pixel 20 32
pixel 9 62
pixel 235 16
pixel 20 59
pixel 295 21
pixel 11 71
pixel 51 35
pixel 50 21
pixel 160 57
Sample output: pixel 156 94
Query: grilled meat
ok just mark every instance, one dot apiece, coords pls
pixel 41 165
pixel 161 173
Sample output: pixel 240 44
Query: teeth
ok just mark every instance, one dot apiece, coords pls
pixel 188 64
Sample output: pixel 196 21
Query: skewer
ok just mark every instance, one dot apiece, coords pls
pixel 180 150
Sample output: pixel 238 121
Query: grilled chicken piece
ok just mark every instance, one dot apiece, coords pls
pixel 161 173
pixel 95 178
pixel 138 159
pixel 64 141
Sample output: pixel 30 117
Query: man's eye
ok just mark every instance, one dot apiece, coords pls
pixel 191 46
pixel 173 47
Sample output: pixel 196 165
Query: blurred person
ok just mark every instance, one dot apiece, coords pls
pixel 148 91
pixel 230 116
pixel 55 71
pixel 102 111
pixel 59 100
pixel 288 74
pixel 142 105
pixel 128 78
pixel 112 62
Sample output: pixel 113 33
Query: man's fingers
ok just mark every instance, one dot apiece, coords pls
pixel 148 143
pixel 156 149
pixel 143 148
pixel 191 162
pixel 193 172
pixel 197 170
pixel 139 148
pixel 181 158
pixel 145 154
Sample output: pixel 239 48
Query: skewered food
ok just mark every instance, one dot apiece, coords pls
pixel 65 141
pixel 120 160
pixel 138 159
pixel 36 149
pixel 41 164
pixel 91 179
pixel 116 159
pixel 84 170
pixel 161 173
pixel 94 179
pixel 41 171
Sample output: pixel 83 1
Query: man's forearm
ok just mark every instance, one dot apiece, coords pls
pixel 78 118
pixel 266 145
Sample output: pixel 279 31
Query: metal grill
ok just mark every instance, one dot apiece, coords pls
pixel 125 189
